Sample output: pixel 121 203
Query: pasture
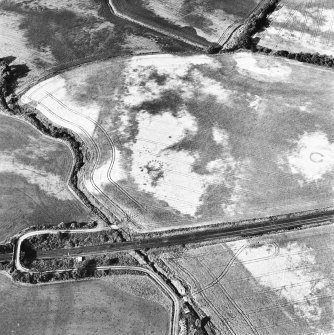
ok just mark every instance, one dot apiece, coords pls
pixel 186 140
pixel 34 170
pixel 113 304
pixel 276 284
pixel 201 23
pixel 301 26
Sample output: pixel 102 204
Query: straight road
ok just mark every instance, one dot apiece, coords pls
pixel 189 237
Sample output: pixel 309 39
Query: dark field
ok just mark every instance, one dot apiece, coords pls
pixel 33 180
pixel 201 22
pixel 90 307
pixel 45 34
pixel 201 139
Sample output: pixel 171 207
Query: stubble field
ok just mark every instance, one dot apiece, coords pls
pixel 277 284
pixel 301 26
pixel 183 140
pixel 34 171
pixel 116 304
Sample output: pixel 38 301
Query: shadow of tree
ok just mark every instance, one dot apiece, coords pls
pixel 28 253
pixel 15 72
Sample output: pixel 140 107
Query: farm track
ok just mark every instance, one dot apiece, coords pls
pixel 94 145
pixel 220 315
pixel 211 305
pixel 111 144
pixel 228 266
pixel 232 301
pixel 97 150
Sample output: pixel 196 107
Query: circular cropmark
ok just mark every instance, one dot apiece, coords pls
pixel 154 165
pixel 316 157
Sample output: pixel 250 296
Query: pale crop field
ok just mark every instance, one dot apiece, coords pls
pixel 278 284
pixel 113 304
pixel 34 172
pixel 301 26
pixel 187 140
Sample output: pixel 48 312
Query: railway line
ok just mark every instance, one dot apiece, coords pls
pixel 189 237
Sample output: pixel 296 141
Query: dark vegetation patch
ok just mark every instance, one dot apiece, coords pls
pixel 155 171
pixel 304 57
pixel 170 100
pixel 160 79
pixel 214 197
pixel 88 267
pixel 68 240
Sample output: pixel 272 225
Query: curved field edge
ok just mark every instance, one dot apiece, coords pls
pixel 34 186
pixel 32 116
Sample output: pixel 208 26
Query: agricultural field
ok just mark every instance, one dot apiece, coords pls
pixel 118 304
pixel 200 22
pixel 275 284
pixel 301 26
pixel 187 140
pixel 44 34
pixel 34 170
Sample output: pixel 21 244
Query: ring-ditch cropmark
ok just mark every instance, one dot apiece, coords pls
pixel 316 157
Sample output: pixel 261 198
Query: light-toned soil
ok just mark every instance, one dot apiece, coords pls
pixel 301 26
pixel 88 307
pixel 279 284
pixel 34 170
pixel 183 140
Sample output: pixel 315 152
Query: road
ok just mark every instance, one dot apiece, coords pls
pixel 186 237
pixel 189 237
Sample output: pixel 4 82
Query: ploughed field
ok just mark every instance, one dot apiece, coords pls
pixel 200 23
pixel 275 284
pixel 120 304
pixel 301 26
pixel 185 140
pixel 34 171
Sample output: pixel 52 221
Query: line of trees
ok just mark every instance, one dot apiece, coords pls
pixel 65 263
pixel 305 57
pixel 62 240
